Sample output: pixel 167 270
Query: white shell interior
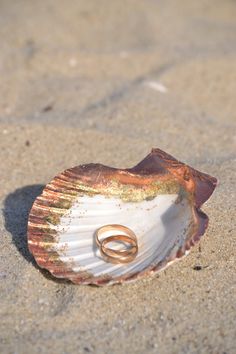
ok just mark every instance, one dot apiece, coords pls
pixel 160 224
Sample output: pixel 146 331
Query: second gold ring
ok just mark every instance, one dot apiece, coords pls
pixel 126 236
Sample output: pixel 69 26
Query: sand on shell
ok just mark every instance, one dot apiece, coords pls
pixel 106 81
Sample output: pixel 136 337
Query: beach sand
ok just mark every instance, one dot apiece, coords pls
pixel 105 81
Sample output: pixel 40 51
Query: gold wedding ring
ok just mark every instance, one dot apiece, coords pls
pixel 126 236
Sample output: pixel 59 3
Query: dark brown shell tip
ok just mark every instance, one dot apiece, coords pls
pixel 159 162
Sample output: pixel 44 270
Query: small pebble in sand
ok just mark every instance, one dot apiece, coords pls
pixel 158 86
pixel 123 54
pixel 47 108
pixel 72 62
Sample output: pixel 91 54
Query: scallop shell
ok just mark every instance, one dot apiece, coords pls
pixel 159 199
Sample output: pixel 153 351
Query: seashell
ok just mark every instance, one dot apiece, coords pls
pixel 159 199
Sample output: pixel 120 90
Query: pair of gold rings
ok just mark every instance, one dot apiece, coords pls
pixel 120 234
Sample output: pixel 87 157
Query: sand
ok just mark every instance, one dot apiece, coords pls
pixel 105 81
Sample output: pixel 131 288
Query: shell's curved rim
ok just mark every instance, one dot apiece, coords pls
pixel 95 177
